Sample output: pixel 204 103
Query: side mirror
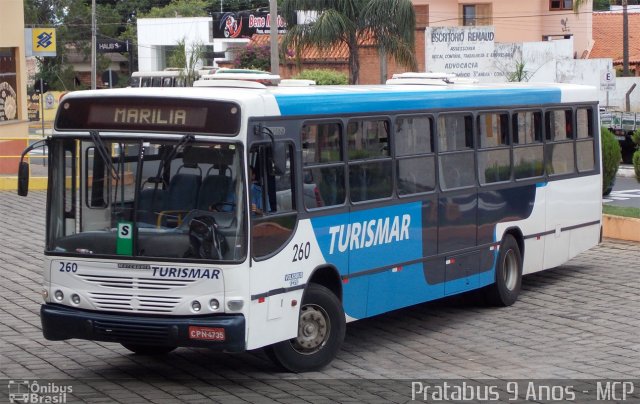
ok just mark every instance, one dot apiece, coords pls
pixel 279 158
pixel 23 178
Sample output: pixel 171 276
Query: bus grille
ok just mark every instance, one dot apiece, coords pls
pixel 130 332
pixel 128 282
pixel 134 303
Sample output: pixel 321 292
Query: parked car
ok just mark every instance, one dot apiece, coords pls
pixel 622 125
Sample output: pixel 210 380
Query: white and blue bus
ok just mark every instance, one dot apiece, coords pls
pixel 236 216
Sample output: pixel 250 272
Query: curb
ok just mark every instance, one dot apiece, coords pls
pixel 621 228
pixel 10 183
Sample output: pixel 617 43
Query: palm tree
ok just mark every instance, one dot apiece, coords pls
pixel 390 24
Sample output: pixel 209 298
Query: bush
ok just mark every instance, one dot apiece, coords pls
pixel 253 57
pixel 636 156
pixel 611 156
pixel 324 77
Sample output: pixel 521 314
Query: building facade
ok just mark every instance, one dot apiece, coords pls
pixel 517 21
pixel 14 124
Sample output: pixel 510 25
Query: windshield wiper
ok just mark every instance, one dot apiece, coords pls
pixel 104 153
pixel 170 155
pixel 182 144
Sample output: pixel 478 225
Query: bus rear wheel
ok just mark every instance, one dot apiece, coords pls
pixel 505 290
pixel 149 350
pixel 321 330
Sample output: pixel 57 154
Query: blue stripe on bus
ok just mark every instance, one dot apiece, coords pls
pixel 378 100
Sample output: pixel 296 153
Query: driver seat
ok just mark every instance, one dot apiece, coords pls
pixel 214 190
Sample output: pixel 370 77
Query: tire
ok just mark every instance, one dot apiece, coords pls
pixel 321 330
pixel 505 290
pixel 149 350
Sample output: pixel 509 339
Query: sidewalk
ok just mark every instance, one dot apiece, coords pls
pixel 626 170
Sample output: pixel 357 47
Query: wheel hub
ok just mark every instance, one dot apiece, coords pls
pixel 313 329
pixel 510 270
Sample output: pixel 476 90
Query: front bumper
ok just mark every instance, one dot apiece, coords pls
pixel 61 322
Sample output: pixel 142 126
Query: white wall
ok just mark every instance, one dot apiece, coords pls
pixel 156 33
pixel 617 97
pixel 544 61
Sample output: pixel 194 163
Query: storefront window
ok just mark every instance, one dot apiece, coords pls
pixel 8 97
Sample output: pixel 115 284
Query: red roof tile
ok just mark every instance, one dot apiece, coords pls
pixel 337 53
pixel 607 36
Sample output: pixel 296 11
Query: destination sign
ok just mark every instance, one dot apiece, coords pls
pixel 170 116
pixel 149 114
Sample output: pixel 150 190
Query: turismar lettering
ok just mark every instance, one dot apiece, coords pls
pixel 369 233
pixel 193 273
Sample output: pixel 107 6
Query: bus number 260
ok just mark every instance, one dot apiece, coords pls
pixel 301 251
pixel 68 267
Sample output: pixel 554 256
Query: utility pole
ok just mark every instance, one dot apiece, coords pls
pixel 273 35
pixel 93 44
pixel 625 39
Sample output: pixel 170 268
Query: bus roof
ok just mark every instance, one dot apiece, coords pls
pixel 158 73
pixel 354 99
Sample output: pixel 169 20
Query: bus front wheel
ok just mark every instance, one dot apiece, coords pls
pixel 505 290
pixel 321 330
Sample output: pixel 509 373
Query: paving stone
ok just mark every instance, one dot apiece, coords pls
pixel 580 320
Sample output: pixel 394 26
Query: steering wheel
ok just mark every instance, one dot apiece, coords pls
pixel 205 240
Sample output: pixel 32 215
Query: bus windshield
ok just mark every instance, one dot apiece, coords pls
pixel 147 198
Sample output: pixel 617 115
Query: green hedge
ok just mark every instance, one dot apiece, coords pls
pixel 611 156
pixel 324 77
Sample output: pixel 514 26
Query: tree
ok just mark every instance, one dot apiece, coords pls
pixel 186 59
pixel 390 24
pixel 180 8
pixel 601 5
pixel 253 57
pixel 71 20
pixel 238 5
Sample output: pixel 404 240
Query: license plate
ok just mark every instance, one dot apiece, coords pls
pixel 620 137
pixel 206 333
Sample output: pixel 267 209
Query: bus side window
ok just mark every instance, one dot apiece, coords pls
pixel 584 143
pixel 528 155
pixel 456 160
pixel 415 161
pixel 323 176
pixel 369 159
pixel 559 148
pixel 494 156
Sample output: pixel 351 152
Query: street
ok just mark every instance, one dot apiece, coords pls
pixel 578 321
pixel 626 191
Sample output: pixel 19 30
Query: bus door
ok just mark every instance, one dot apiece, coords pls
pixel 458 203
pixel 276 266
